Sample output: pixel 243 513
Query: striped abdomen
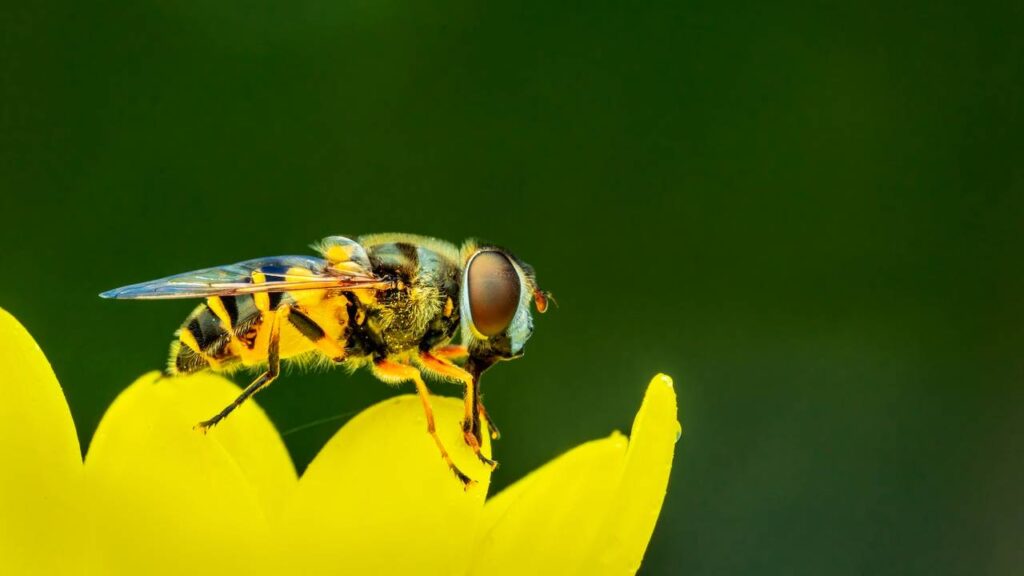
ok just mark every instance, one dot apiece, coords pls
pixel 217 334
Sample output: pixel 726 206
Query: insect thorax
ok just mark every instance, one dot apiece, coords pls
pixel 420 311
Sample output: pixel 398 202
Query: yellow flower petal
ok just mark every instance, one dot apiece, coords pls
pixel 378 499
pixel 155 497
pixel 170 500
pixel 591 510
pixel 623 538
pixel 543 523
pixel 40 478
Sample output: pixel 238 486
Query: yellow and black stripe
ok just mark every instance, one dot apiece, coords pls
pixel 210 335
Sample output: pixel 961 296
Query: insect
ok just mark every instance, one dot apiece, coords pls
pixel 390 302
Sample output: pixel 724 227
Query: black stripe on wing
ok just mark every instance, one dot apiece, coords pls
pixel 234 279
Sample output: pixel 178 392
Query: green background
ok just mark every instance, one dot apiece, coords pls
pixel 808 214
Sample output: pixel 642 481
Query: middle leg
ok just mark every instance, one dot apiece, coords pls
pixel 391 371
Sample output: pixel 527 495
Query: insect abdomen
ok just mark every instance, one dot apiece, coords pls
pixel 205 339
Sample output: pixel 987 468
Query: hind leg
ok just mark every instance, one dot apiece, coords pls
pixel 264 380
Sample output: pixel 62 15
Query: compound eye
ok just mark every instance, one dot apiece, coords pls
pixel 493 292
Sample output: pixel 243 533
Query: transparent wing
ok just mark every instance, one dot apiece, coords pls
pixel 280 274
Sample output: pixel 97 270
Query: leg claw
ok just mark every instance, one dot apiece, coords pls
pixel 467 482
pixel 204 426
pixel 473 443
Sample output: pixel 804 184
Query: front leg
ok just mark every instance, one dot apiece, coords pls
pixel 391 371
pixel 482 413
pixel 471 419
pixel 455 352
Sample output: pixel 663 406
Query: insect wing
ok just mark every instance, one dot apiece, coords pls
pixel 280 274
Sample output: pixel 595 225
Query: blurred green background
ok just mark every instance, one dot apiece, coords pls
pixel 808 214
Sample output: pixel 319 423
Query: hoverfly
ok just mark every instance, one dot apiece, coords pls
pixel 390 302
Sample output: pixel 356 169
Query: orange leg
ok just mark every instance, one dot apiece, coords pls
pixel 391 371
pixel 455 352
pixel 471 419
pixel 452 352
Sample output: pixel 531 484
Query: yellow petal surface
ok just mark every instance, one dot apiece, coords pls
pixel 378 499
pixel 591 510
pixel 623 537
pixel 40 477
pixel 167 499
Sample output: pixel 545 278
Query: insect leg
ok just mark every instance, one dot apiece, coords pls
pixel 315 334
pixel 390 371
pixel 482 413
pixel 471 419
pixel 455 352
pixel 264 380
pixel 452 352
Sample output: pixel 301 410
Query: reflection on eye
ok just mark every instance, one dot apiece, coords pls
pixel 493 292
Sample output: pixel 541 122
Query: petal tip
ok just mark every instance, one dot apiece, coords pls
pixel 660 399
pixel 663 379
pixel 662 387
